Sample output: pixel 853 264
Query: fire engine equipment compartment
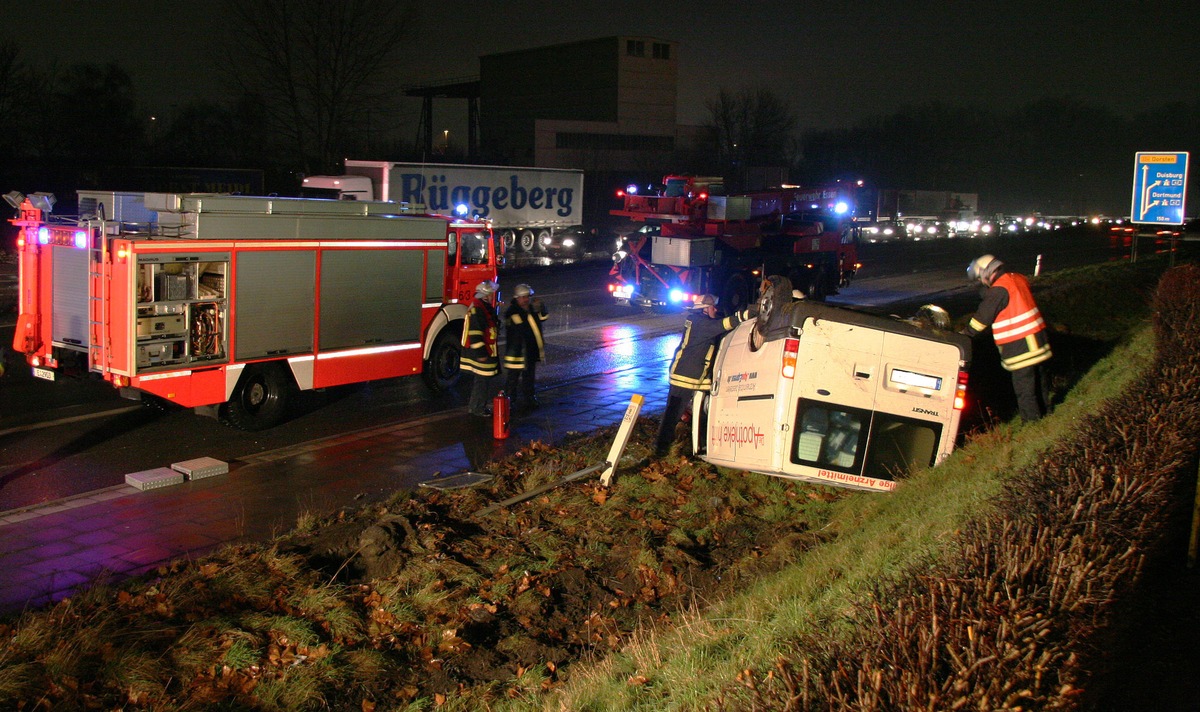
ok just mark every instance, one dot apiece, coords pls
pixel 181 310
pixel 833 396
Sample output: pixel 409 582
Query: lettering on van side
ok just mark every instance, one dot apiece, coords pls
pixel 886 485
pixel 737 435
pixel 744 382
pixel 438 196
pixel 924 411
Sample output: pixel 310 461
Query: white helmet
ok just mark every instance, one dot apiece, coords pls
pixel 522 290
pixel 485 289
pixel 982 268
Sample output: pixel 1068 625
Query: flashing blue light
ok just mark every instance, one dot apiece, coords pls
pixel 461 209
pixel 43 235
pixel 80 239
pixel 841 207
pixel 678 295
pixel 631 189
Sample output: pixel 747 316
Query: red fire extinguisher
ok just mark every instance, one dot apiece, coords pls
pixel 500 406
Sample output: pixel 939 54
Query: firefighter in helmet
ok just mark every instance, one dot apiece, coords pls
pixel 480 354
pixel 523 344
pixel 1019 331
pixel 691 368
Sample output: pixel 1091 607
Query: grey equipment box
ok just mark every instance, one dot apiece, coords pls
pixel 683 251
pixel 153 479
pixel 201 467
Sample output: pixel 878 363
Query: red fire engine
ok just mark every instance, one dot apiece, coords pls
pixel 228 304
pixel 699 241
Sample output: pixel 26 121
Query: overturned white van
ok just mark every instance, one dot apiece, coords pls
pixel 835 396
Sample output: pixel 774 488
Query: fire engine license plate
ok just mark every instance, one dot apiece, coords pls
pixel 43 373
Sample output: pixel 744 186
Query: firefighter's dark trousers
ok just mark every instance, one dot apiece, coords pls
pixel 1033 391
pixel 678 401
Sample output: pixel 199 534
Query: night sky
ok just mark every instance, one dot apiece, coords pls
pixel 837 62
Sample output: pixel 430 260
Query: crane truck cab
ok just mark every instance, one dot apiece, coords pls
pixel 834 396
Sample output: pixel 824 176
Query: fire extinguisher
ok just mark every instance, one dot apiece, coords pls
pixel 500 405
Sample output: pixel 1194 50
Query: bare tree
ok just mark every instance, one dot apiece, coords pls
pixel 753 127
pixel 319 69
pixel 13 76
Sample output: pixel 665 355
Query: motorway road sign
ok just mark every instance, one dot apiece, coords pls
pixel 1159 187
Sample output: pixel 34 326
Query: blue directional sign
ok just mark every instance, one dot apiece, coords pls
pixel 1159 186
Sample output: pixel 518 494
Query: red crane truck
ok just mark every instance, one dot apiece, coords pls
pixel 697 241
pixel 228 304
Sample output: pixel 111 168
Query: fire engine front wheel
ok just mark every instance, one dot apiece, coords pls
pixel 441 370
pixel 260 400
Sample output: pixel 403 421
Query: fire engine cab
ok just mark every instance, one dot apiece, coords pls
pixel 228 304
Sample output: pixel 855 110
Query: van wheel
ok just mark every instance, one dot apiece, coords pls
pixel 260 400
pixel 736 295
pixel 442 370
pixel 528 241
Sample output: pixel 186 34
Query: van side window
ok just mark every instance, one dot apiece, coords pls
pixel 830 437
pixel 901 444
pixel 836 438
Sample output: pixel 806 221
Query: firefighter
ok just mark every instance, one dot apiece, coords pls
pixel 480 350
pixel 1018 329
pixel 523 344
pixel 691 368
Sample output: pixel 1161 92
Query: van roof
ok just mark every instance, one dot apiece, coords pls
pixel 791 317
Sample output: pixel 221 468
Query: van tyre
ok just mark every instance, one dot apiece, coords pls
pixel 260 400
pixel 736 295
pixel 441 369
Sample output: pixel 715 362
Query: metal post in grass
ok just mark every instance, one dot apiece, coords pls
pixel 607 468
pixel 622 439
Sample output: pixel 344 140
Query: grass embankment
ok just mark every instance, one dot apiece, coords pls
pixel 682 586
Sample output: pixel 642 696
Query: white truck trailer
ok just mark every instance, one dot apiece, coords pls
pixel 530 209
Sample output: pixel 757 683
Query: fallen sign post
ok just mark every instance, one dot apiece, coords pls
pixel 530 494
pixel 623 432
pixel 608 467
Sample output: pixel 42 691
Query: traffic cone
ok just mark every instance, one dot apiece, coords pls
pixel 500 406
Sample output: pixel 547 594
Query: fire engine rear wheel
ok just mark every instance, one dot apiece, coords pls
pixel 442 369
pixel 260 399
pixel 528 241
pixel 509 237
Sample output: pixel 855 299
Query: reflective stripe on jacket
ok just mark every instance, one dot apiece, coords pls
pixel 479 352
pixel 1017 324
pixel 692 366
pixel 523 335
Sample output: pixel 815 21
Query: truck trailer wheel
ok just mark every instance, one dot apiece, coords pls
pixel 441 370
pixel 509 238
pixel 260 400
pixel 528 240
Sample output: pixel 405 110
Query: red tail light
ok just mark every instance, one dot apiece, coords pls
pixel 960 391
pixel 790 348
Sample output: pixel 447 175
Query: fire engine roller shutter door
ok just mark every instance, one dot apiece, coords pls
pixel 69 323
pixel 276 307
pixel 370 297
